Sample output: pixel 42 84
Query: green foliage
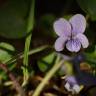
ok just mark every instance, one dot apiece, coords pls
pixel 68 68
pixel 91 58
pixel 17 21
pixel 29 28
pixel 6 53
pixel 46 62
pixel 89 6
pixel 13 18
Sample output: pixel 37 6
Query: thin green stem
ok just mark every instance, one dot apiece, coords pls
pixel 47 78
pixel 30 25
pixel 31 52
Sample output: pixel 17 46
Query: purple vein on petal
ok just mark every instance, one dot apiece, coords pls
pixel 73 45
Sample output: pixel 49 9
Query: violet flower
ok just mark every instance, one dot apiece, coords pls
pixel 72 85
pixel 71 79
pixel 71 33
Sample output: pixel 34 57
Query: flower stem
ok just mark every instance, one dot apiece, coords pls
pixel 47 78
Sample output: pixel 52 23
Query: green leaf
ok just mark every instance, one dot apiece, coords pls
pixel 12 18
pixel 91 58
pixel 6 53
pixel 29 28
pixel 89 6
pixel 7 46
pixel 46 62
pixel 66 68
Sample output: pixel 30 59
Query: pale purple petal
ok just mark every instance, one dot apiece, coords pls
pixel 76 88
pixel 71 80
pixel 67 86
pixel 78 23
pixel 83 39
pixel 73 45
pixel 62 27
pixel 60 43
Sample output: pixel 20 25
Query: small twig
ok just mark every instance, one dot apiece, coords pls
pixel 47 78
pixel 12 77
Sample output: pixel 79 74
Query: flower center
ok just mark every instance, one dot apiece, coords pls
pixel 71 37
